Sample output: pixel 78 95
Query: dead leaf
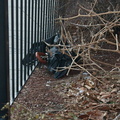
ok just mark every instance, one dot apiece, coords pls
pixel 88 87
pixel 83 116
pixel 103 107
pixel 89 84
pixel 81 90
pixel 96 115
pixel 105 95
pixel 114 90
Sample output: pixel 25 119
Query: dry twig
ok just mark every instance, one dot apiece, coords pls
pixel 85 48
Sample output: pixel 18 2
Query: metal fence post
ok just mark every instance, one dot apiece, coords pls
pixel 4 59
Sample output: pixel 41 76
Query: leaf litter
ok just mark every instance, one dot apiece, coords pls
pixel 69 98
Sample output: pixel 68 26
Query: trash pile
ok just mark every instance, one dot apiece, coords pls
pixel 48 52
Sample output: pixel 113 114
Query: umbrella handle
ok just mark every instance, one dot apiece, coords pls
pixel 38 56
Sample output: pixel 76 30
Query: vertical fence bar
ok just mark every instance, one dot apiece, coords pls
pixel 42 29
pixel 43 10
pixel 44 25
pixel 47 18
pixel 38 27
pixel 35 21
pixel 21 43
pixel 29 30
pixel 53 17
pixel 39 21
pixel 12 54
pixel 10 49
pixel 50 17
pixel 44 20
pixel 47 5
pixel 25 35
pixel 28 33
pixel 32 13
pixel 56 14
pixel 19 77
pixel 17 49
pixel 4 56
pixel 52 12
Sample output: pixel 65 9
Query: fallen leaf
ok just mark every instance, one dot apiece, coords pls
pixel 103 107
pixel 105 95
pixel 82 116
pixel 88 87
pixel 96 115
pixel 89 84
pixel 114 90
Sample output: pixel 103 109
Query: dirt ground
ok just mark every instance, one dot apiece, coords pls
pixel 68 98
pixel 38 94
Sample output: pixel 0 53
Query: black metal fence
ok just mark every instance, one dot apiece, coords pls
pixel 3 54
pixel 22 23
